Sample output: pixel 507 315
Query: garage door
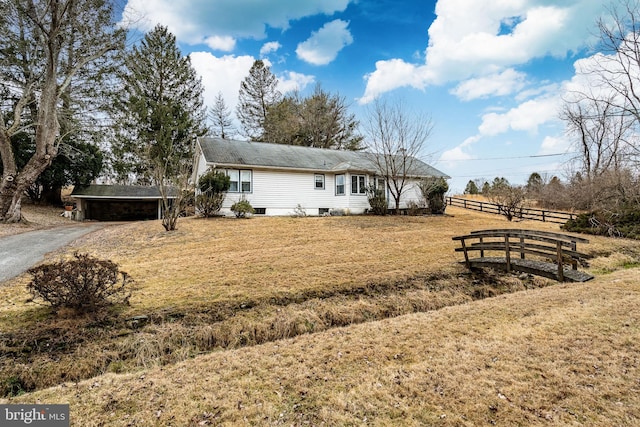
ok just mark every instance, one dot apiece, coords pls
pixel 121 210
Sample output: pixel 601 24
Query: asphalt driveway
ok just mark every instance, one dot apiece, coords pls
pixel 20 252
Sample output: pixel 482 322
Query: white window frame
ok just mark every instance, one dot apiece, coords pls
pixel 241 180
pixel 246 181
pixel 234 185
pixel 318 179
pixel 360 184
pixel 342 178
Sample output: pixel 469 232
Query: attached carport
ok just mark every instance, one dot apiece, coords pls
pixel 118 202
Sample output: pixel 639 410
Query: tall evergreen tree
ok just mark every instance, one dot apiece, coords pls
pixel 471 188
pixel 46 48
pixel 535 184
pixel 220 117
pixel 160 116
pixel 328 123
pixel 258 92
pixel 320 120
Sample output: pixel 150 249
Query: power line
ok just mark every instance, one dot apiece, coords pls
pixel 508 158
pixel 480 174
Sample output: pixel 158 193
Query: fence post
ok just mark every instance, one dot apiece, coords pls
pixel 507 252
pixel 560 269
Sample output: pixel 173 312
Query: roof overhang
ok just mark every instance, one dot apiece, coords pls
pixel 284 168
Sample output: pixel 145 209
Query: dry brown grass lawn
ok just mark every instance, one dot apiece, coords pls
pixel 560 354
pixel 210 260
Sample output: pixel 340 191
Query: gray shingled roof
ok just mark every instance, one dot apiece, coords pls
pixel 118 192
pixel 232 153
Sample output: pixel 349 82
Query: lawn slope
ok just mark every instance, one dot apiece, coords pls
pixel 566 354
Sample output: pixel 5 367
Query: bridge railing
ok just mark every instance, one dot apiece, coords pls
pixel 548 252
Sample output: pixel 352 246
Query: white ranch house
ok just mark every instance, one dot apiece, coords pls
pixel 277 178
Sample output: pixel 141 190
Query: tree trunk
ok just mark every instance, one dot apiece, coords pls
pixel 9 201
pixel 52 196
pixel 15 184
pixel 13 187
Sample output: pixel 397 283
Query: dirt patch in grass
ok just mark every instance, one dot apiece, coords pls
pixel 35 217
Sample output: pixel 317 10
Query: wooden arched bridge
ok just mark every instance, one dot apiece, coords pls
pixel 543 253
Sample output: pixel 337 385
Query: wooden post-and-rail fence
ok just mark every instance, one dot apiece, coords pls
pixel 525 213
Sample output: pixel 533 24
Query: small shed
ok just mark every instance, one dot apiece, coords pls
pixel 118 202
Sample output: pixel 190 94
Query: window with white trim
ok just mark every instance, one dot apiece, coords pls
pixel 240 180
pixel 245 181
pixel 358 184
pixel 340 185
pixel 319 181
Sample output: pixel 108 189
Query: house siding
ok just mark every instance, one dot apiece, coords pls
pixel 411 193
pixel 283 177
pixel 280 192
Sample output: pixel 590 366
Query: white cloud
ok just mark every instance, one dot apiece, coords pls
pixel 554 145
pixel 224 74
pixel 223 43
pixel 291 81
pixel 193 21
pixel 390 75
pixel 458 153
pixel 527 116
pixel 323 45
pixel 221 74
pixel 472 40
pixel 501 84
pixel 269 47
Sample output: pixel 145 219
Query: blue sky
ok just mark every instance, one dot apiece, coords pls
pixel 491 73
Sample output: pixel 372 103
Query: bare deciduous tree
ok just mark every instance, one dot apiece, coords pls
pixel 598 132
pixel 509 200
pixel 613 73
pixel 36 70
pixel 396 138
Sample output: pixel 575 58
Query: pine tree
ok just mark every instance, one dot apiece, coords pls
pixel 471 188
pixel 161 114
pixel 320 120
pixel 220 117
pixel 258 92
pixel 327 122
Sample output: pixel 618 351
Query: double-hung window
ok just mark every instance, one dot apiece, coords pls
pixel 240 180
pixel 358 184
pixel 319 181
pixel 245 181
pixel 340 185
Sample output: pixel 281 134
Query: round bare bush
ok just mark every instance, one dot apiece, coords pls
pixel 84 284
